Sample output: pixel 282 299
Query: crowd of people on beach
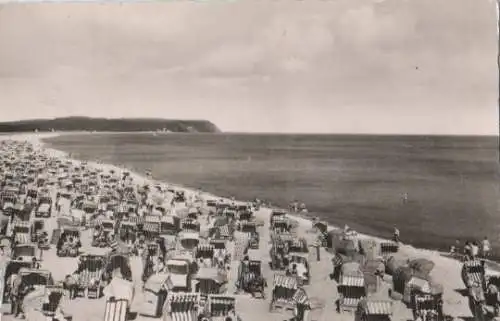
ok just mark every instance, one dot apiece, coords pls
pixel 472 249
pixel 196 246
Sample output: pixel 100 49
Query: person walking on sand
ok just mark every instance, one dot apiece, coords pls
pixel 474 250
pixel 486 247
pixel 396 235
pixel 467 250
pixel 456 248
pixel 19 290
pixel 12 283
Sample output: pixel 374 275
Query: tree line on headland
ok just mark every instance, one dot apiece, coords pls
pixel 109 125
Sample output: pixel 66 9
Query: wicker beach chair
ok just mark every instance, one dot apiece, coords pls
pixel 182 306
pixel 116 310
pixel 205 251
pixel 284 288
pixel 220 306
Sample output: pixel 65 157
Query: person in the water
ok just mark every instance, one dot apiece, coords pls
pixel 404 197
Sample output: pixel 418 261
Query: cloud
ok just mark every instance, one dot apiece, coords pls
pixel 330 61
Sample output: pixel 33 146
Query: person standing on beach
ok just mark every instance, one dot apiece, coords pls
pixel 467 250
pixel 474 250
pixel 486 247
pixel 456 248
pixel 396 235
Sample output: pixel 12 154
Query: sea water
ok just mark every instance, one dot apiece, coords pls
pixel 451 183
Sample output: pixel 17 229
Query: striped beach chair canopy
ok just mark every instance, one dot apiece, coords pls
pixel 300 296
pixel 248 227
pixel 128 224
pixel 298 245
pixel 90 271
pixel 22 232
pixel 388 247
pixel 205 250
pixel 116 310
pixel 182 301
pixel 151 227
pixel 473 271
pixel 9 195
pixel 37 276
pixel 218 244
pixel 122 208
pixel 220 305
pixel 107 224
pixel 285 281
pixel 168 219
pixel 189 235
pixel 425 302
pixel 282 237
pixel 224 231
pixel 352 281
pixel 21 224
pixel 376 307
pixel 136 219
pixel 190 224
pixel 284 288
pixel 350 303
pixel 44 208
pixel 418 284
pixel 350 235
pixel 152 219
pixel 473 266
pixel 279 220
pixel 278 212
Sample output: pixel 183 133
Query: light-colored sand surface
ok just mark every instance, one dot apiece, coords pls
pixel 322 291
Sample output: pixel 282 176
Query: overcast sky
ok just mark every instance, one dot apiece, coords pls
pixel 364 66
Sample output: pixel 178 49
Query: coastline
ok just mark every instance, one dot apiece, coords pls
pixel 447 270
pixel 307 217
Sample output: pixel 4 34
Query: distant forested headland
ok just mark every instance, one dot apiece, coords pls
pixel 110 125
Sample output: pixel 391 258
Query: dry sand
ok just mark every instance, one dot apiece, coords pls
pixel 322 291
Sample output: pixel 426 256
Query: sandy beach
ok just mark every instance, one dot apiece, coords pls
pixel 321 290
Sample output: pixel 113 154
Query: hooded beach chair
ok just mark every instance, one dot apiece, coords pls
pixel 205 251
pixel 284 288
pixel 220 306
pixel 182 307
pixel 116 310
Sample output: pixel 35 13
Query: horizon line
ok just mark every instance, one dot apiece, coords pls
pixel 245 132
pixel 256 133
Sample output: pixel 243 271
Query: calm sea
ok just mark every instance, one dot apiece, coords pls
pixel 452 182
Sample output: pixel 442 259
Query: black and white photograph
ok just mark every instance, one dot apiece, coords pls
pixel 249 160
